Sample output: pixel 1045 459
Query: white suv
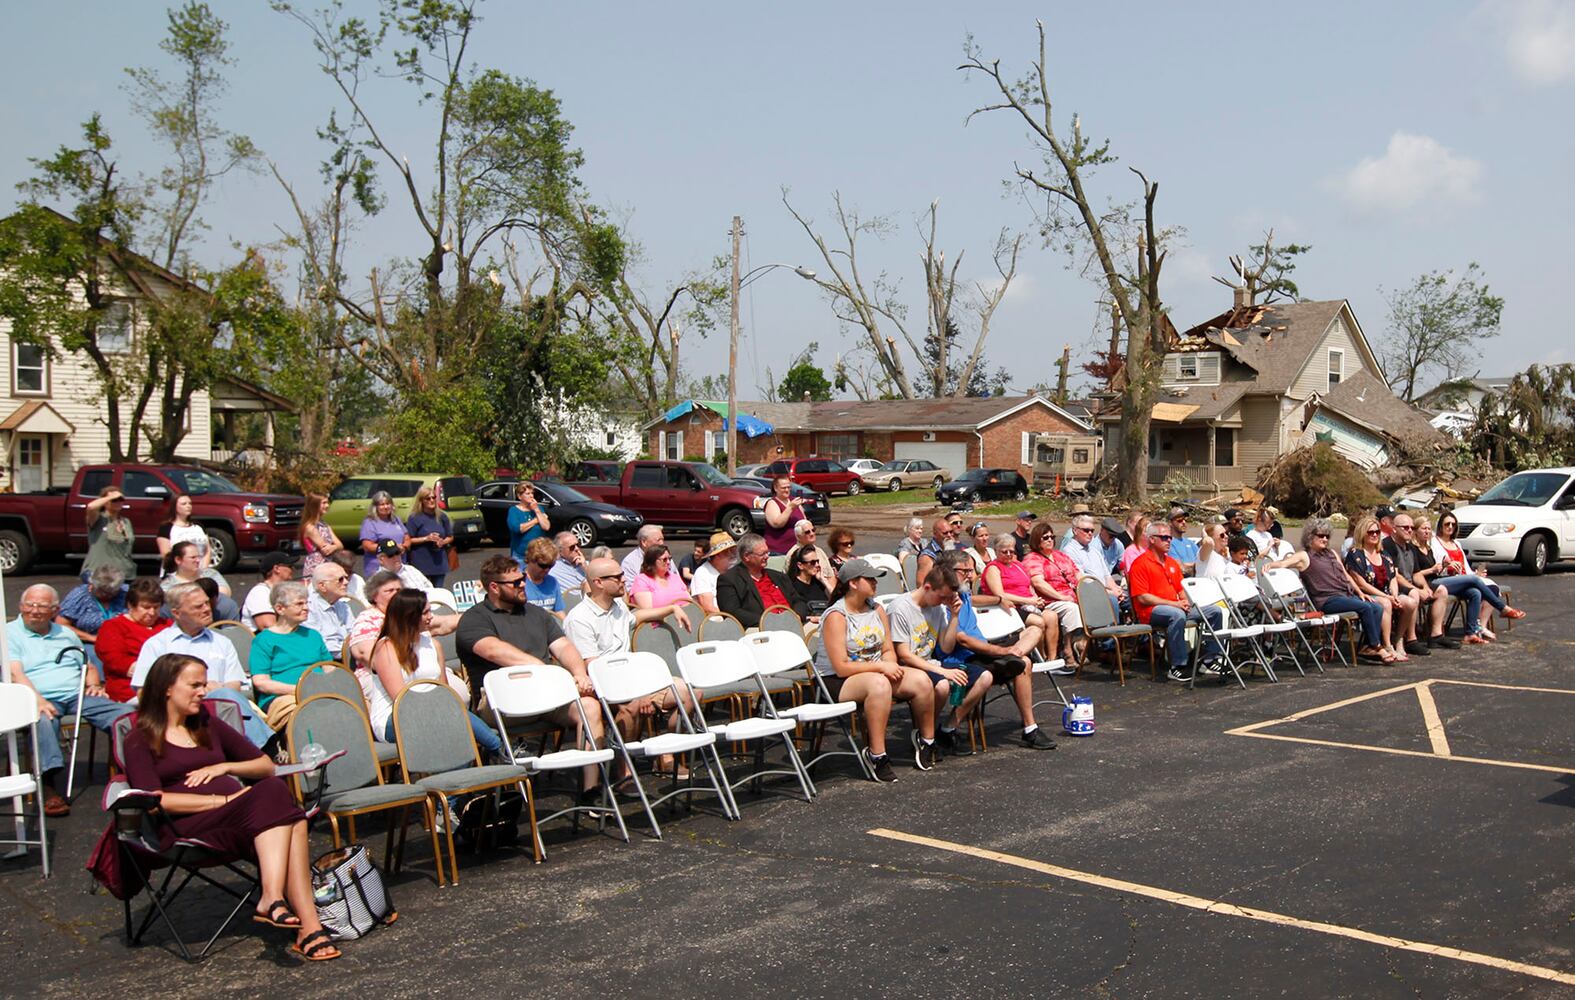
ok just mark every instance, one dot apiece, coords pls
pixel 1528 518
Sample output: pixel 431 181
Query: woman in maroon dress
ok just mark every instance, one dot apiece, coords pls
pixel 192 759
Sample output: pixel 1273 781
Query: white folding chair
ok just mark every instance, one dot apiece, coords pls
pixel 18 711
pixel 572 597
pixel 1283 589
pixel 716 664
pixel 1247 606
pixel 623 677
pixel 891 581
pixel 998 625
pixel 781 653
pixel 533 690
pixel 884 601
pixel 1205 592
pixel 442 596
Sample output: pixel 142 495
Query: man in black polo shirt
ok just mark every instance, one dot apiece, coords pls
pixel 504 630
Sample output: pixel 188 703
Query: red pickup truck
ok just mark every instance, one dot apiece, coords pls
pixel 53 524
pixel 677 495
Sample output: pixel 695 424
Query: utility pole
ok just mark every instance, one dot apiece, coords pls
pixel 732 361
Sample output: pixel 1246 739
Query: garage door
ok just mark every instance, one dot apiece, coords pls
pixel 949 455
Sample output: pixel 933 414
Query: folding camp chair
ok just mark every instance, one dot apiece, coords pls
pixel 139 827
pixel 719 627
pixel 353 786
pixel 715 664
pixel 777 654
pixel 329 677
pixel 1205 592
pixel 1099 622
pixel 437 751
pixel 534 690
pixel 1247 606
pixel 18 712
pixel 623 677
pixel 1283 589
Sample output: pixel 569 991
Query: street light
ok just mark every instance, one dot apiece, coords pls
pixel 732 346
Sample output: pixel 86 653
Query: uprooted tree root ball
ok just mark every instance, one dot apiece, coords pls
pixel 1317 481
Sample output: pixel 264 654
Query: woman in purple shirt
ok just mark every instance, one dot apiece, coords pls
pixel 381 523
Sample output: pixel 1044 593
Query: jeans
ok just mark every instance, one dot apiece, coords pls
pixel 100 712
pixel 486 737
pixel 1174 622
pixel 252 722
pixel 1474 590
pixel 1372 616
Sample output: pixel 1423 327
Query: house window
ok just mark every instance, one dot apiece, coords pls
pixel 1079 456
pixel 113 332
pixel 29 376
pixel 1187 367
pixel 1225 446
pixel 675 446
pixel 612 438
pixel 838 445
pixel 1336 367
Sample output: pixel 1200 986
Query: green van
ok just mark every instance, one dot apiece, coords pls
pixel 350 502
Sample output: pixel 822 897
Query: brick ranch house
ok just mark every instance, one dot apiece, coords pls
pixel 996 431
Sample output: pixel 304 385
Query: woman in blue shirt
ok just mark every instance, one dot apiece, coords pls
pixel 431 535
pixel 527 522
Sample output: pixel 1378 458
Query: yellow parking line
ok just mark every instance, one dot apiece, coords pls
pixel 1249 729
pixel 1435 725
pixel 1504 687
pixel 1231 909
pixel 1551 769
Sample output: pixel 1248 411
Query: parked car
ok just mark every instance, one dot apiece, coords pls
pixel 590 471
pixel 863 466
pixel 53 524
pixel 350 501
pixel 822 475
pixel 984 484
pixel 593 522
pixel 1528 518
pixel 816 506
pixel 900 472
pixel 679 496
pixel 747 471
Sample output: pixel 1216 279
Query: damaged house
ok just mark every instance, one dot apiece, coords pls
pixel 1241 389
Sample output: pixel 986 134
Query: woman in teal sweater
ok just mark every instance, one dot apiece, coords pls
pixel 284 651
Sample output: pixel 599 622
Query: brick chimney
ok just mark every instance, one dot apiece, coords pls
pixel 1242 297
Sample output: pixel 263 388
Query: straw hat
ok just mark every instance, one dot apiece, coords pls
pixel 719 542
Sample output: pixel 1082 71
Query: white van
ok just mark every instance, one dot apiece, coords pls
pixel 1528 518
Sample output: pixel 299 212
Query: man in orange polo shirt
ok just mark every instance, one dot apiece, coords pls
pixel 1158 600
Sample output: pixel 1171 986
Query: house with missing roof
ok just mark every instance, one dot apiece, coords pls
pixel 1245 387
pixel 958 434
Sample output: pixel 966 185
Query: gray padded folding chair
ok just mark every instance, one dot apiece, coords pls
pixel 660 638
pixel 719 628
pixel 1099 621
pixel 780 617
pixel 241 638
pixel 353 785
pixel 329 677
pixel 438 752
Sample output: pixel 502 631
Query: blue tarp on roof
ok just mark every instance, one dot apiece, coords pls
pixel 749 426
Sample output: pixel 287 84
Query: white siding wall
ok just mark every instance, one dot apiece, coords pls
pixel 1208 369
pixel 1315 377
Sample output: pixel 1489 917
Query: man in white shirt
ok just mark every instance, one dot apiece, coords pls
pixel 327 610
pixel 649 536
pixel 193 613
pixel 720 554
pixel 391 559
pixel 602 625
pixel 257 610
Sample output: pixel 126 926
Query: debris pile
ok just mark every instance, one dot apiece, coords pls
pixel 1316 481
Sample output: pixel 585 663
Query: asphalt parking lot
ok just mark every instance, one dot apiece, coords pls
pixel 1328 836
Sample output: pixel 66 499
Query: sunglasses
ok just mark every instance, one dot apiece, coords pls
pixel 846 543
pixel 1160 538
pixel 1321 534
pixel 609 576
pixel 512 583
pixel 809 562
pixel 1373 531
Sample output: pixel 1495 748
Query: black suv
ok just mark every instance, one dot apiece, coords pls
pixel 984 484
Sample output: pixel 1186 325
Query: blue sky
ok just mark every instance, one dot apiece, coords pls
pixel 1394 138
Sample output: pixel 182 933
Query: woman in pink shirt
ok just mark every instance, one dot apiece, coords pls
pixel 1007 579
pixel 658 586
pixel 1138 529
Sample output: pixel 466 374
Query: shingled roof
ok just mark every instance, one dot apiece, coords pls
pixel 965 414
pixel 1276 341
pixel 1365 399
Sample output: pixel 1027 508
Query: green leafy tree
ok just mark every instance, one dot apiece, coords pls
pixel 804 380
pixel 981 381
pixel 1437 326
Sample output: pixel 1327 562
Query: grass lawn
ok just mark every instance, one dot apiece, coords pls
pixel 886 498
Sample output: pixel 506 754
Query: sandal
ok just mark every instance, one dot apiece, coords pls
pixel 279 915
pixel 1514 613
pixel 1474 640
pixel 317 946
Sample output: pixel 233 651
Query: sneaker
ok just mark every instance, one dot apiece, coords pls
pixel 1177 674
pixel 1038 740
pixel 1212 668
pixel 1418 648
pixel 953 743
pixel 1443 642
pixel 927 756
pixel 1062 671
pixel 880 767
